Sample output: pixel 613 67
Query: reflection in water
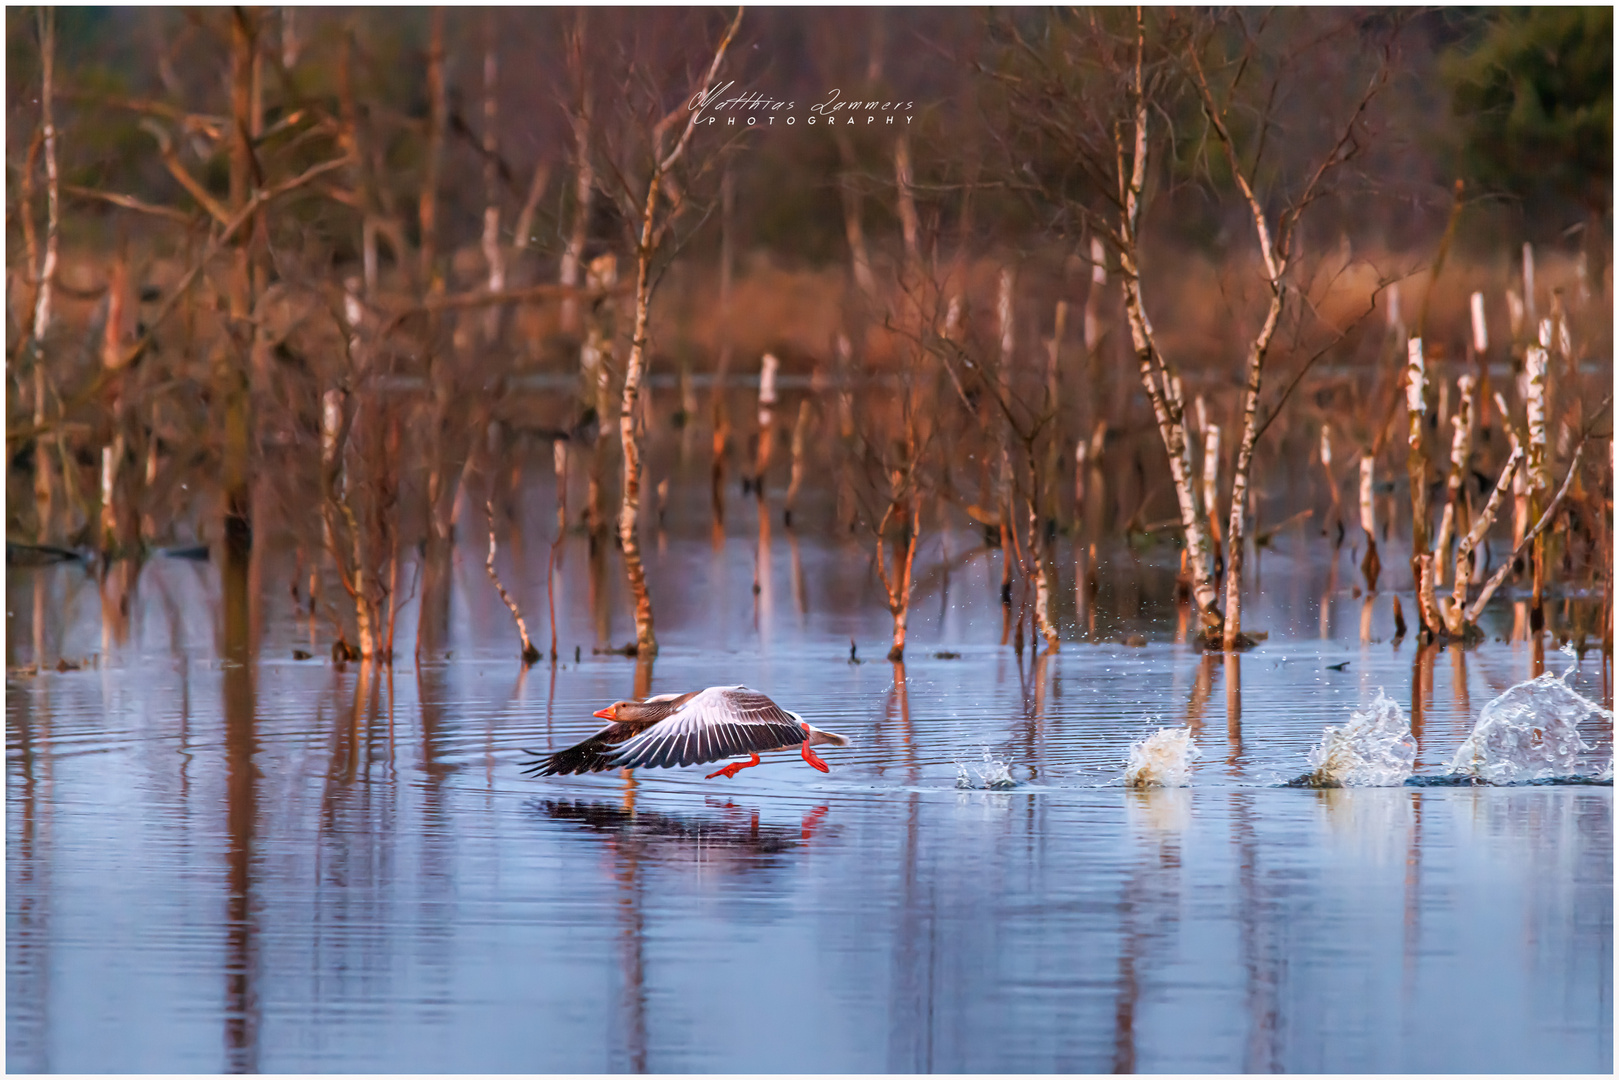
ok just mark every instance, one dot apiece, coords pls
pixel 626 860
pixel 28 876
pixel 1422 662
pixel 1328 593
pixel 899 708
pixel 1202 689
pixel 1148 906
pixel 1233 708
pixel 727 841
pixel 241 1013
pixel 1257 932
pixel 117 589
pixel 764 608
pixel 800 598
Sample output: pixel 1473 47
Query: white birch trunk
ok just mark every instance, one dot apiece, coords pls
pixel 1416 458
pixel 1529 283
pixel 1093 301
pixel 1167 409
pixel 1461 449
pixel 1535 405
pixel 44 485
pixel 1211 468
pixel 1368 505
pixel 1481 332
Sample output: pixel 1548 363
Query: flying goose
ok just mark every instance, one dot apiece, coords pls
pixel 694 728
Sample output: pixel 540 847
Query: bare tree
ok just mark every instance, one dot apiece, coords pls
pixel 655 221
pixel 1276 253
pixel 44 488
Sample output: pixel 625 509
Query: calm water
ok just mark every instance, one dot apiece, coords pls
pixel 269 864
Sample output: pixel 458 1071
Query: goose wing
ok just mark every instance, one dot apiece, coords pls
pixel 595 754
pixel 720 722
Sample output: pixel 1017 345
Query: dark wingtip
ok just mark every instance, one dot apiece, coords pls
pixel 542 765
pixel 575 760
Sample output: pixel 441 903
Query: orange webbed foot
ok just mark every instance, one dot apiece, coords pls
pixel 732 769
pixel 813 759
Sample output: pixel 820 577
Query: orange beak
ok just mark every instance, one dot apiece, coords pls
pixel 605 714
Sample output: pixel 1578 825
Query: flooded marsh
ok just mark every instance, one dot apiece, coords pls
pixel 268 864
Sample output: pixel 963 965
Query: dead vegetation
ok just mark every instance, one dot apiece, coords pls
pixel 308 314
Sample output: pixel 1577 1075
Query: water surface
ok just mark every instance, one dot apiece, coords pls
pixel 220 858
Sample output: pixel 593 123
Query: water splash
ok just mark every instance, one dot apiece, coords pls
pixel 992 775
pixel 1530 733
pixel 1375 749
pixel 1162 759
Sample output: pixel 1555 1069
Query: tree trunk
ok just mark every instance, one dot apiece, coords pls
pixel 1416 458
pixel 1042 578
pixel 1370 564
pixel 800 430
pixel 1537 465
pixel 630 412
pixel 234 362
pixel 597 374
pixel 898 587
pixel 1239 473
pixel 1461 449
pixel 44 486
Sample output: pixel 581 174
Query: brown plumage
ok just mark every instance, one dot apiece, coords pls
pixel 695 728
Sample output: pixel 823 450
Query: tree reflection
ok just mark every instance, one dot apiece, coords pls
pixel 1233 709
pixel 730 842
pixel 28 939
pixel 1421 687
pixel 1149 906
pixel 1257 931
pixel 241 814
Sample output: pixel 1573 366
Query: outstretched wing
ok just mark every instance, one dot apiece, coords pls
pixel 595 754
pixel 720 722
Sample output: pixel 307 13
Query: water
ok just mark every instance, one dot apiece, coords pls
pixel 1532 732
pixel 1162 759
pixel 1375 749
pixel 225 859
pixel 992 775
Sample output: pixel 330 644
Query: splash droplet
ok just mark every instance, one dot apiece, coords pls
pixel 1531 732
pixel 1375 749
pixel 1162 759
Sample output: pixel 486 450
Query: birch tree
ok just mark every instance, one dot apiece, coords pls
pixel 1087 102
pixel 1276 255
pixel 655 221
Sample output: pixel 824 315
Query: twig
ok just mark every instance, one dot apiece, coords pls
pixel 1500 575
pixel 130 202
pixel 530 654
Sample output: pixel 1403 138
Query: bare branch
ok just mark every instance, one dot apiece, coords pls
pixel 1477 607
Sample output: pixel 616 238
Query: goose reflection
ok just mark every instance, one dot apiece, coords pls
pixel 731 839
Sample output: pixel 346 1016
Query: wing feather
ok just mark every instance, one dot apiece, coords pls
pixel 720 722
pixel 594 754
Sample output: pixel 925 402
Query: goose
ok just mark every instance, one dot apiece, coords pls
pixel 694 728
